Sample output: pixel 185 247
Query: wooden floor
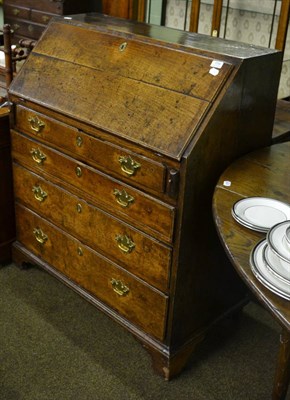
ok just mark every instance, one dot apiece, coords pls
pixel 281 130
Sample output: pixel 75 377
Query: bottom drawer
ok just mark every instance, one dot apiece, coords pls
pixel 138 302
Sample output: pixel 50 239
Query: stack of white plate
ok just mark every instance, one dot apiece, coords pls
pixel 270 259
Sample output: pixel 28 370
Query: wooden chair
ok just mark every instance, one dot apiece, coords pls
pixel 12 56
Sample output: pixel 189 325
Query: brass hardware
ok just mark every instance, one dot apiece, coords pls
pixel 39 193
pixel 214 33
pixel 15 27
pixel 79 172
pixel 30 28
pixel 36 124
pixel 79 141
pixel 125 244
pixel 128 165
pixel 80 251
pixel 123 46
pixel 45 18
pixel 123 198
pixel 15 11
pixel 40 236
pixel 79 208
pixel 38 156
pixel 119 287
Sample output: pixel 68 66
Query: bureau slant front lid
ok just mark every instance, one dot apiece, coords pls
pixel 150 92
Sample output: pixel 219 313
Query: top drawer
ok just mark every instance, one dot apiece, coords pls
pixel 133 168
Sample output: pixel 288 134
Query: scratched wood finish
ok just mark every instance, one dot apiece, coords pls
pixel 98 151
pixel 187 73
pixel 81 219
pixel 94 273
pixel 155 98
pixel 141 111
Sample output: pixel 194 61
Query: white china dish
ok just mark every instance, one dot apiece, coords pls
pixel 261 272
pixel 276 238
pixel 279 267
pixel 260 213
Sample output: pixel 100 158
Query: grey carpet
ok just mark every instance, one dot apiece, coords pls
pixel 54 345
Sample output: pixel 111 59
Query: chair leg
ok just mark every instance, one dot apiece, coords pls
pixel 282 375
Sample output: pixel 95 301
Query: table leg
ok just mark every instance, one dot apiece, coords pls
pixel 282 375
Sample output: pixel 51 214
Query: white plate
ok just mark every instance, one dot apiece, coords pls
pixel 278 267
pixel 277 240
pixel 288 234
pixel 260 213
pixel 261 272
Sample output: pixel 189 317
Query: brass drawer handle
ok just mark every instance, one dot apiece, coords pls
pixel 15 11
pixel 125 244
pixel 45 18
pixel 30 28
pixel 38 156
pixel 128 165
pixel 39 193
pixel 15 27
pixel 40 236
pixel 123 198
pixel 119 287
pixel 36 124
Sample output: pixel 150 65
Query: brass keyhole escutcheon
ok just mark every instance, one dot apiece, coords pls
pixel 36 124
pixel 79 141
pixel 80 251
pixel 79 172
pixel 79 208
pixel 123 46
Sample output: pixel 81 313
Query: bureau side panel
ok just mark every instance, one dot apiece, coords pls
pixel 7 230
pixel 206 284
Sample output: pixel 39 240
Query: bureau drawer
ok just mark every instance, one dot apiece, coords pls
pixel 15 11
pixel 130 297
pixel 133 250
pixel 119 161
pixel 151 215
pixel 41 17
pixel 24 28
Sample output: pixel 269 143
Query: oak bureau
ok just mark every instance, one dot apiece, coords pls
pixel 120 133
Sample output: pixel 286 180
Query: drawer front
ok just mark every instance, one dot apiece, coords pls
pixel 142 210
pixel 119 161
pixel 130 297
pixel 23 28
pixel 134 251
pixel 43 5
pixel 16 12
pixel 41 17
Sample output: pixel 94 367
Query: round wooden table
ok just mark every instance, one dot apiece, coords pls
pixel 266 173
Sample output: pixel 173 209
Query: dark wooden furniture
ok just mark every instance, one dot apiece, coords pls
pixel 28 18
pixel 261 173
pixel 116 151
pixel 7 225
pixel 131 9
